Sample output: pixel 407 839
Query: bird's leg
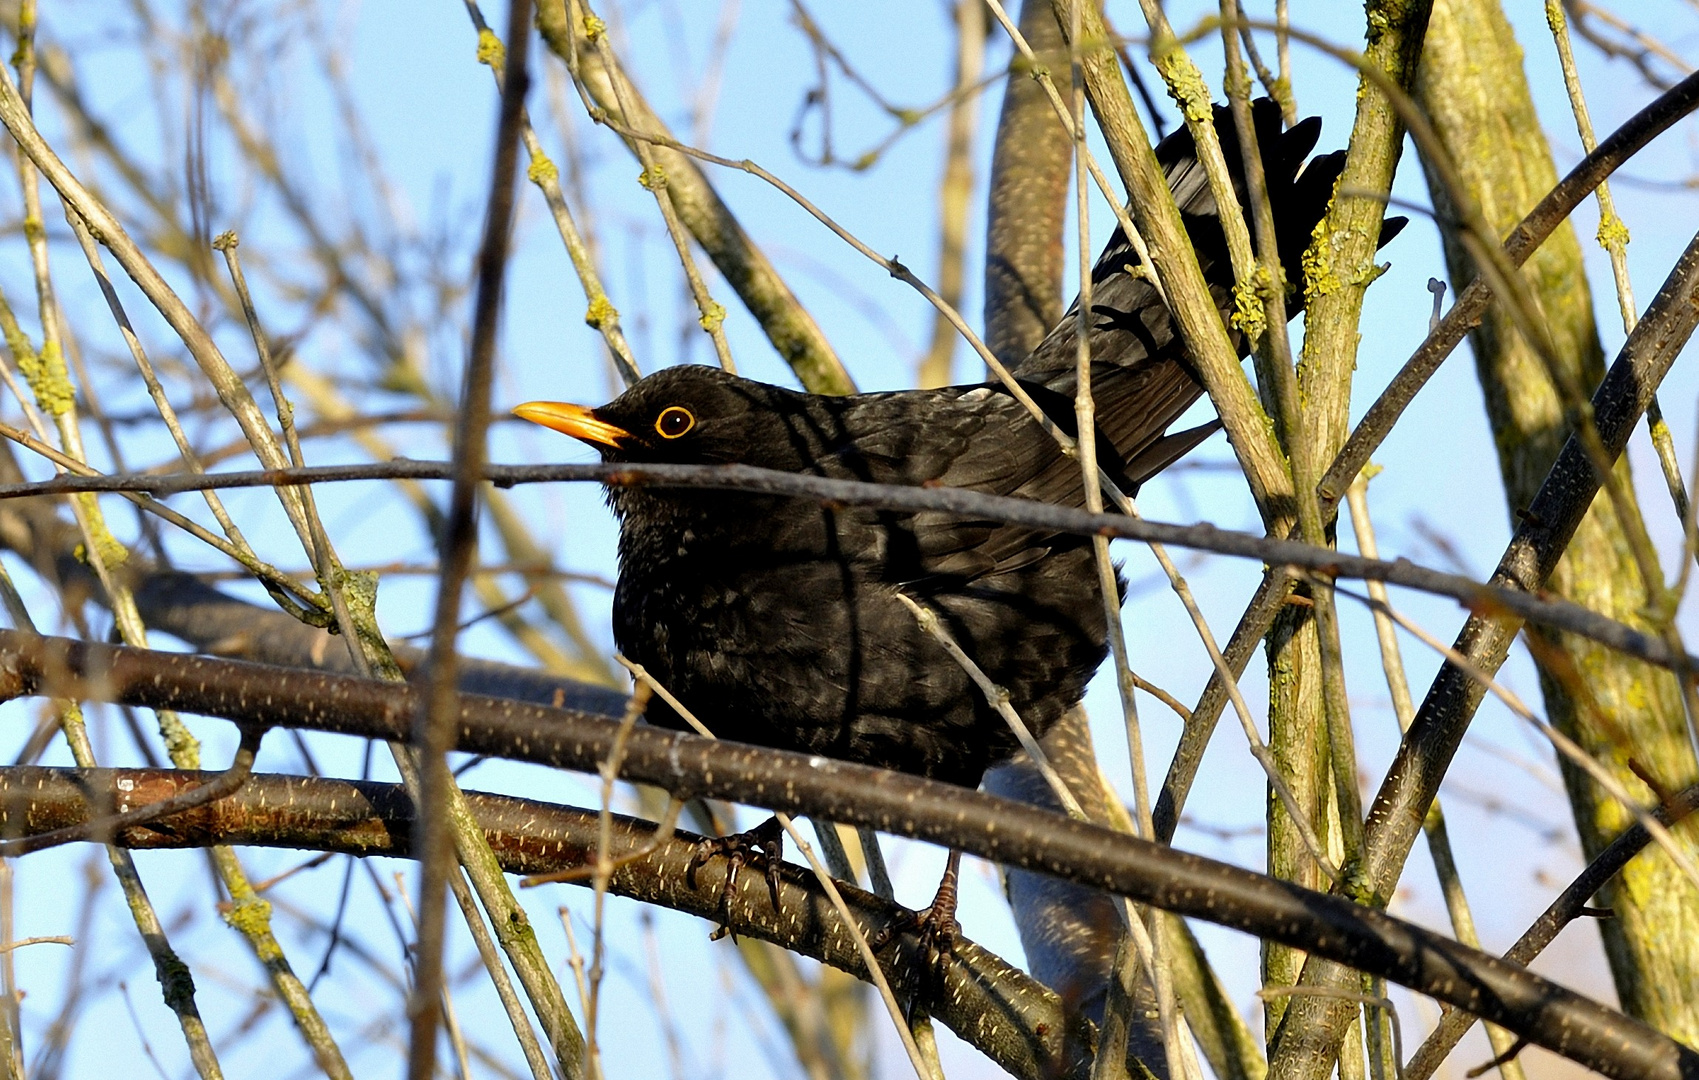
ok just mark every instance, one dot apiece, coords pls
pixel 763 844
pixel 937 927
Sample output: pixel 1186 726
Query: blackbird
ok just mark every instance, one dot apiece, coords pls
pixel 777 621
pixel 782 622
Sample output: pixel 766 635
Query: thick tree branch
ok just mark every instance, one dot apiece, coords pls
pixel 1014 1020
pixel 1568 906
pixel 996 829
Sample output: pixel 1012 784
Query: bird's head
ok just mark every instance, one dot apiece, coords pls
pixel 688 414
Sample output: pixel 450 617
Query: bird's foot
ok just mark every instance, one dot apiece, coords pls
pixel 937 929
pixel 763 844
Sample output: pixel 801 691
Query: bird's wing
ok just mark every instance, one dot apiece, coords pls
pixel 979 438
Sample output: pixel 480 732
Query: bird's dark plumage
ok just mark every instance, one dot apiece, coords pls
pixel 777 621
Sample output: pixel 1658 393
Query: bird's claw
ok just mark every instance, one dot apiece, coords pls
pixel 936 927
pixel 938 930
pixel 763 844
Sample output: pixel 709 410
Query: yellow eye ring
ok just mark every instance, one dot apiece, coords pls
pixel 674 422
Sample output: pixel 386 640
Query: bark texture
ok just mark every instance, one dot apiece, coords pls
pixel 1619 710
pixel 1027 203
pixel 1340 267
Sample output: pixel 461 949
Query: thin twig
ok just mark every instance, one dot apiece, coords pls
pixel 1404 710
pixel 51 939
pixel 1545 611
pixel 745 268
pixel 601 314
pixel 710 313
pixel 1613 237
pixel 451 1019
pixel 1144 947
pixel 1148 941
pixel 185 451
pixel 603 868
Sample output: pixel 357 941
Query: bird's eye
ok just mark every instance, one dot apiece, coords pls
pixel 674 421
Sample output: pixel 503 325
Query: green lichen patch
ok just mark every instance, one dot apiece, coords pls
pixel 542 171
pixel 45 372
pixel 1248 317
pixel 111 550
pixel 601 312
pixel 713 316
pixel 490 49
pixel 1612 233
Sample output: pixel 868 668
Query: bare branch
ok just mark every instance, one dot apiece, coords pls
pixel 1330 928
pixel 1465 313
pixel 1013 1019
pixel 1532 606
pixel 1564 910
pixel 787 324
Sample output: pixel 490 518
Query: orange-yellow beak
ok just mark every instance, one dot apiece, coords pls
pixel 574 420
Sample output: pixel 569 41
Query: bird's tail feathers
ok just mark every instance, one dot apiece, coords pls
pixel 1166 450
pixel 1132 335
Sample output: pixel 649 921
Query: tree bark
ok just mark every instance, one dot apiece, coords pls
pixel 1027 202
pixel 1621 711
pixel 1339 269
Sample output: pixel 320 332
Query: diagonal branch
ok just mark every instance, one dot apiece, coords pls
pixel 746 269
pixel 1564 910
pixel 1195 312
pixel 1522 242
pixel 1550 521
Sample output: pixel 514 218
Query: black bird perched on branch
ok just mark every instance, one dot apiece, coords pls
pixel 779 621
